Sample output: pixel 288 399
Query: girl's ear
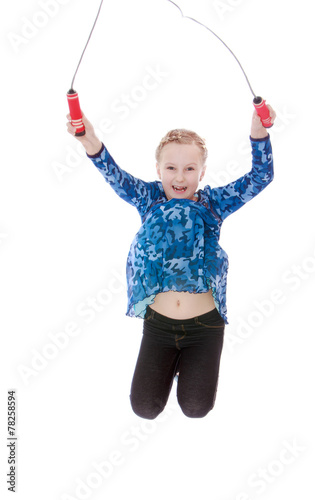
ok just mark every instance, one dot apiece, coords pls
pixel 203 173
pixel 158 170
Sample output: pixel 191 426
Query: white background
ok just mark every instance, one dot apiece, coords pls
pixel 64 238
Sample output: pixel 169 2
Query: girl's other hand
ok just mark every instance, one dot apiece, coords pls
pixel 258 131
pixel 89 141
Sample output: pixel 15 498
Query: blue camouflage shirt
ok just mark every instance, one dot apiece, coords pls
pixel 177 246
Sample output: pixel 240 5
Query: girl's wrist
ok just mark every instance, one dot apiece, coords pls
pixel 263 134
pixel 92 147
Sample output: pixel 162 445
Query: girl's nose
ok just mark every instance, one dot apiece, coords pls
pixel 179 176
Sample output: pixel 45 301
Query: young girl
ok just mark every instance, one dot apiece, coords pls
pixel 176 269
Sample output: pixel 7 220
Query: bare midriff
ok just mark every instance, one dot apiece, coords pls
pixel 183 305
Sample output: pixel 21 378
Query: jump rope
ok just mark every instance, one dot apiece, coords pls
pixel 73 98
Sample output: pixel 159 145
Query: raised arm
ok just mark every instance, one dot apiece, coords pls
pixel 138 193
pixel 227 199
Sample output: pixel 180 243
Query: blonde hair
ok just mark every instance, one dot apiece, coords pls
pixel 182 136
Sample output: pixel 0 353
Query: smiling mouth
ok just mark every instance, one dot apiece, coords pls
pixel 179 189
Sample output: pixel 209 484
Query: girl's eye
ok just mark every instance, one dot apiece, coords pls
pixel 170 168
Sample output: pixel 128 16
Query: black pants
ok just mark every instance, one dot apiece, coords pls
pixel 191 347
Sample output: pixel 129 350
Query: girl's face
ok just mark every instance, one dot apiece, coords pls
pixel 180 169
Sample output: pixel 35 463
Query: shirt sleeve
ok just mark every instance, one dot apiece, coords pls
pixel 138 193
pixel 227 199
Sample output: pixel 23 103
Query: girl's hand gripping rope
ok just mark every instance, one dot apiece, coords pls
pixel 89 140
pixel 263 111
pixel 258 131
